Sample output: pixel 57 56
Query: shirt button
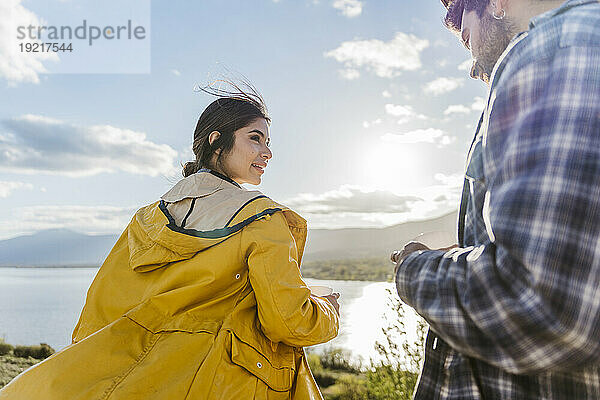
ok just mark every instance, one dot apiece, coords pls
pixel 259 365
pixel 237 276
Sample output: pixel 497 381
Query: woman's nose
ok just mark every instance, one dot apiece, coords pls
pixel 267 154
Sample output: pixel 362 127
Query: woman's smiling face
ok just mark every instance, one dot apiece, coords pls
pixel 246 161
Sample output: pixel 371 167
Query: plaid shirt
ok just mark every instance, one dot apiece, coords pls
pixel 514 313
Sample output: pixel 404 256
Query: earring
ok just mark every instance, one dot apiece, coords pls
pixel 501 16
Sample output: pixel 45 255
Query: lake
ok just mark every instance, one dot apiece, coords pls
pixel 43 305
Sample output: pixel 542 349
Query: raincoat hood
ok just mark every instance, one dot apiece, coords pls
pixel 218 207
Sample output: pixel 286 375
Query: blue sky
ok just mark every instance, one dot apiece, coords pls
pixel 371 103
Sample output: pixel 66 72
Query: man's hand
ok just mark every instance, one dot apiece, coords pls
pixel 399 255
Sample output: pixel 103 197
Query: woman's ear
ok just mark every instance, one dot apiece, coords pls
pixel 214 135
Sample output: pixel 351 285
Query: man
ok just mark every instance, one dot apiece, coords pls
pixel 514 310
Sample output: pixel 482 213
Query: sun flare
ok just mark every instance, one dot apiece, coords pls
pixel 393 167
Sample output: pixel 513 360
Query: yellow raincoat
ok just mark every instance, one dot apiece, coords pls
pixel 200 298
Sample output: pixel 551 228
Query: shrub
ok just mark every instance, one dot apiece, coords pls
pixel 325 378
pixel 5 348
pixel 39 352
pixel 387 382
pixel 349 387
pixel 314 361
pixel 395 377
pixel 339 360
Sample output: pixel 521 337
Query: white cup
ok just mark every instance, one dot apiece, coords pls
pixel 436 239
pixel 320 291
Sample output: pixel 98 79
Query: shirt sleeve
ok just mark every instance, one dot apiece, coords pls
pixel 286 310
pixel 528 299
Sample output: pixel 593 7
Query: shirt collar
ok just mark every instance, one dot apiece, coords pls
pixel 541 18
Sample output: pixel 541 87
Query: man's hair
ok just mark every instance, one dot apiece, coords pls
pixel 453 19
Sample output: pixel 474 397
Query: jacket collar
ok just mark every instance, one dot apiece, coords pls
pixel 220 176
pixel 201 184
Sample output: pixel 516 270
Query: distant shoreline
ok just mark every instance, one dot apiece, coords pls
pixel 377 269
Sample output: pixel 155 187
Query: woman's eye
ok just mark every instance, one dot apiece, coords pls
pixel 255 138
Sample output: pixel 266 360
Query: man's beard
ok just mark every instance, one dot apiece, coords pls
pixel 495 36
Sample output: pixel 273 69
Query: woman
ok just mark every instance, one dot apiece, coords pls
pixel 201 297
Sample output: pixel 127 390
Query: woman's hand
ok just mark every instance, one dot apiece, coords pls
pixel 332 298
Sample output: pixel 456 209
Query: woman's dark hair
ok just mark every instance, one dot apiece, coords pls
pixel 233 109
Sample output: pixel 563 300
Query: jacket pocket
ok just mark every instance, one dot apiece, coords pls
pixel 276 370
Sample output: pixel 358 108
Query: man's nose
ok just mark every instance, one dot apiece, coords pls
pixel 475 71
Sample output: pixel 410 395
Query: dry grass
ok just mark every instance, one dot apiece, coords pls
pixel 11 366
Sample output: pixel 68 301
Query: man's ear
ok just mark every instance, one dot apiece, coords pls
pixel 214 135
pixel 499 7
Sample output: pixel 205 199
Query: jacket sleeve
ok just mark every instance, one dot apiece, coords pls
pixel 527 300
pixel 286 310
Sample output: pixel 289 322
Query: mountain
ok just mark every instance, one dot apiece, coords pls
pixel 352 243
pixel 56 247
pixel 62 247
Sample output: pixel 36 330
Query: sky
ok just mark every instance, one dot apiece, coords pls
pixel 372 108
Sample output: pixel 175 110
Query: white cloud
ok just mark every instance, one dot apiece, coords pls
pixel 385 59
pixel 404 113
pixel 6 188
pixel 399 111
pixel 354 199
pixel 446 140
pixel 465 65
pixel 430 135
pixel 386 94
pixel 443 85
pixel 16 66
pixel 367 124
pixel 457 109
pixel 355 206
pixel 479 104
pixel 448 193
pixel 39 144
pixel 349 73
pixel 176 72
pixel 452 180
pixel 349 8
